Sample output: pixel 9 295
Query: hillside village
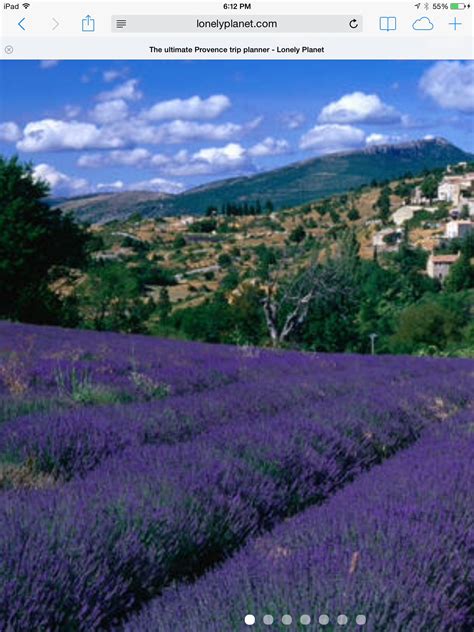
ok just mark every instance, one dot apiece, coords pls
pixel 455 193
pixel 199 251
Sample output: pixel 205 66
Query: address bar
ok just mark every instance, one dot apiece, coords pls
pixel 220 24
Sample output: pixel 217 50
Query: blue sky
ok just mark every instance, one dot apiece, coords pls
pixel 170 125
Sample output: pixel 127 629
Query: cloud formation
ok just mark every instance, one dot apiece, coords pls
pixel 59 182
pixel 128 91
pixel 324 139
pixel 194 108
pixel 359 107
pixel 57 135
pixel 9 132
pixel 451 85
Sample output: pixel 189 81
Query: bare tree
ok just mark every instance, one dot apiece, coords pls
pixel 288 300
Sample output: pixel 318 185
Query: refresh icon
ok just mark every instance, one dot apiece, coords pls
pixel 354 24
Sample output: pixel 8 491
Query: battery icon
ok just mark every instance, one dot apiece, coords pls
pixel 458 6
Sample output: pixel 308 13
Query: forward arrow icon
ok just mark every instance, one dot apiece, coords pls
pixel 56 24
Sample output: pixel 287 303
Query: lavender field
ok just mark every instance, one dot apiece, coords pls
pixel 155 485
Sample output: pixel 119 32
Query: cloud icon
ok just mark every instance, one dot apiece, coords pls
pixel 423 24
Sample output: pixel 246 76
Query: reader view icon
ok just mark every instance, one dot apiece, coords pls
pixel 388 23
pixel 88 24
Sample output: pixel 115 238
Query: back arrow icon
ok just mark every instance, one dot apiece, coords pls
pixel 21 25
pixel 56 24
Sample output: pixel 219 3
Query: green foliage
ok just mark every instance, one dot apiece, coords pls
pixel 429 186
pixel 216 320
pixel 231 280
pixel 353 215
pixel 383 205
pixel 461 275
pixel 77 387
pixel 224 260
pixel 179 242
pixel 148 273
pixel 110 299
pixel 435 321
pixel 298 234
pixel 206 225
pixel 164 306
pixel 37 245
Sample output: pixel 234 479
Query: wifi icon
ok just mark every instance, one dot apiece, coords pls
pixel 26 5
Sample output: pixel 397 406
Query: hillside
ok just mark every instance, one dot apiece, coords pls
pixel 287 186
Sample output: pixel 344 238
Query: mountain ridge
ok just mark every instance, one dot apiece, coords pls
pixel 290 185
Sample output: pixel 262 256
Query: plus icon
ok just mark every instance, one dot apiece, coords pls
pixel 455 24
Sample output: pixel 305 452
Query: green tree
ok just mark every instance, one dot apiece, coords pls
pixel 429 187
pixel 224 260
pixel 298 234
pixel 179 242
pixel 461 275
pixel 110 299
pixel 432 322
pixel 383 204
pixel 353 214
pixel 164 305
pixel 37 245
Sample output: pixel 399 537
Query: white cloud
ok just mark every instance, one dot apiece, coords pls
pixel 159 185
pixel 451 85
pixel 193 108
pixel 181 131
pixel 9 132
pixel 175 132
pixel 46 64
pixel 127 90
pixel 118 185
pixel 112 75
pixel 56 135
pixel 230 158
pixel 59 182
pixel 383 139
pixel 72 111
pixel 293 120
pixel 332 138
pixel 359 107
pixel 128 158
pixel 110 111
pixel 269 147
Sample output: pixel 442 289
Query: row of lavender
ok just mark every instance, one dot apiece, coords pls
pixel 84 554
pixel 390 551
pixel 71 442
pixel 148 493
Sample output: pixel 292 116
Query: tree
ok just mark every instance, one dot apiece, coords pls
pixel 179 242
pixel 298 234
pixel 37 245
pixel 224 260
pixel 110 299
pixel 429 187
pixel 353 215
pixel 287 302
pixel 383 204
pixel 433 322
pixel 461 275
pixel 164 305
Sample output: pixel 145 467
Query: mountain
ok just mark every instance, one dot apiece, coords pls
pixel 288 186
pixel 106 207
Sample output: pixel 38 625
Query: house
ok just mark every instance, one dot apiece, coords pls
pixel 455 189
pixel 417 197
pixel 438 266
pixel 458 229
